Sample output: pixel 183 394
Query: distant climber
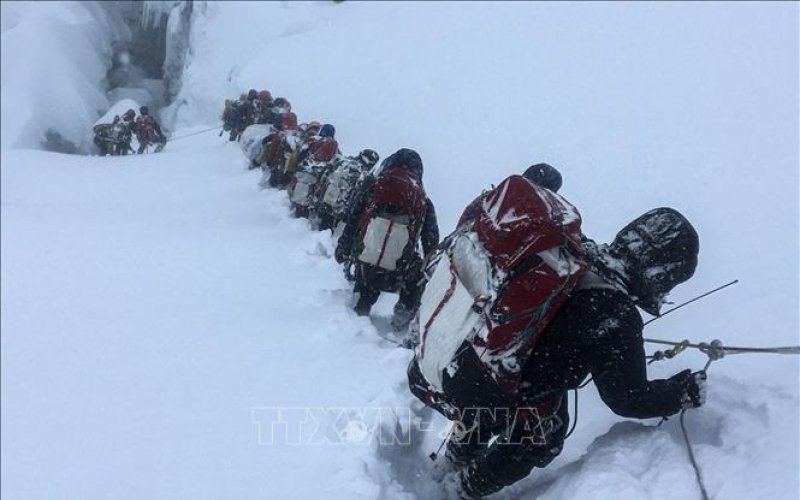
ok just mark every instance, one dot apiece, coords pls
pixel 115 138
pixel 148 131
pixel 388 219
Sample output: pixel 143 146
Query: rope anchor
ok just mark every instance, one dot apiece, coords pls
pixel 678 348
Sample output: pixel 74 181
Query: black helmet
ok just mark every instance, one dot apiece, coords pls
pixel 282 102
pixel 252 94
pixel 659 250
pixel 368 158
pixel 144 110
pixel 327 130
pixel 544 175
pixel 404 157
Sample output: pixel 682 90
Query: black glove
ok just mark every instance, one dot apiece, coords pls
pixel 694 388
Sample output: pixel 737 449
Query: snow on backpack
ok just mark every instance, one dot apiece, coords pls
pixel 339 184
pixel 322 149
pixel 390 224
pixel 494 285
pixel 306 177
pixel 304 181
pixel 252 138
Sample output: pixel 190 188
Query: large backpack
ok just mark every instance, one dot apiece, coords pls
pixel 492 288
pixel 252 140
pixel 104 131
pixel 145 130
pixel 322 149
pixel 390 225
pixel 302 185
pixel 275 146
pixel 338 185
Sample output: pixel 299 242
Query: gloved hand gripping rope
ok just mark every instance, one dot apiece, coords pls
pixel 695 395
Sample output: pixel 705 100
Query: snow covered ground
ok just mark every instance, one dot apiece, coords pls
pixel 158 311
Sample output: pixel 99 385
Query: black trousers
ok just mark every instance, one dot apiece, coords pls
pixel 496 439
pixel 370 281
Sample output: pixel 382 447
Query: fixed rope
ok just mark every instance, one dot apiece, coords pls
pixel 698 475
pixel 193 133
pixel 716 349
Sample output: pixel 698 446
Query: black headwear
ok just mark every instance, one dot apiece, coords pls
pixel 660 251
pixel 368 157
pixel 407 158
pixel 544 175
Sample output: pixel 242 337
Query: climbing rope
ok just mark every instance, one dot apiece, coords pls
pixel 714 353
pixel 715 349
pixel 693 460
pixel 193 133
pixel 575 418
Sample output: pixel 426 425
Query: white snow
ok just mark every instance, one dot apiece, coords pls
pixel 118 109
pixel 157 310
pixel 54 59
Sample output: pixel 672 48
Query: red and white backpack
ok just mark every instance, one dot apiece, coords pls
pixel 495 284
pixel 145 130
pixel 390 225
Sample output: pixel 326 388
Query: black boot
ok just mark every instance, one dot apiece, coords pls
pixel 363 307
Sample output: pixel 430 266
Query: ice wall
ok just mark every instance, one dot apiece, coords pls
pixel 65 63
pixel 55 56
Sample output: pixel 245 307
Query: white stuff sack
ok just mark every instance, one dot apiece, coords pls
pixel 253 134
pixel 302 187
pixel 331 197
pixel 384 242
pixel 447 316
pixel 338 184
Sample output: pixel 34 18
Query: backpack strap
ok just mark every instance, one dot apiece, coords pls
pixel 594 281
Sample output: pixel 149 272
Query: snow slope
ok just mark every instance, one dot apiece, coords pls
pixel 156 310
pixel 150 304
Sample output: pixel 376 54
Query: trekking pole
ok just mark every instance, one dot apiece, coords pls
pixel 691 300
pixel 435 454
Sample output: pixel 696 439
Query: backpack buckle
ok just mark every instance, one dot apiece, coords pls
pixel 480 303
